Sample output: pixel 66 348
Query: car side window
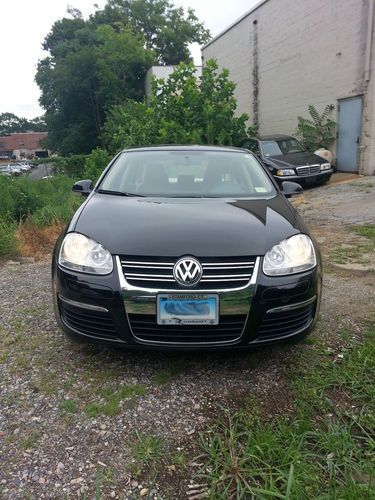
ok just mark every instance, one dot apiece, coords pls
pixel 252 145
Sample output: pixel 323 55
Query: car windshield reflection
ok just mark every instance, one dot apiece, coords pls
pixel 187 174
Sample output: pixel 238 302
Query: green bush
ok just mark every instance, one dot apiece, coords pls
pixel 7 204
pixel 22 198
pixel 95 163
pixel 7 238
pixel 180 110
pixel 43 203
pixel 318 131
pixel 72 166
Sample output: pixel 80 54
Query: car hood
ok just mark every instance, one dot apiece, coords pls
pixel 176 227
pixel 295 159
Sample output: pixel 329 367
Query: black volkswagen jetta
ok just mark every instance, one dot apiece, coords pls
pixel 186 247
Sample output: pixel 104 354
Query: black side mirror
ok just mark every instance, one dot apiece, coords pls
pixel 291 188
pixel 83 188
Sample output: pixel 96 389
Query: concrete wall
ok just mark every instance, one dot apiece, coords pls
pixel 287 54
pixel 163 72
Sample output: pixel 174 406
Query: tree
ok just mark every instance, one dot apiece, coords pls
pixel 317 132
pixel 87 72
pixel 11 123
pixel 180 110
pixel 166 29
pixel 96 63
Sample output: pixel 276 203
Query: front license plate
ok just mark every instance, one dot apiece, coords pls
pixel 187 309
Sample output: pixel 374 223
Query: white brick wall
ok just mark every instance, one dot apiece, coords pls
pixel 367 157
pixel 309 52
pixel 163 72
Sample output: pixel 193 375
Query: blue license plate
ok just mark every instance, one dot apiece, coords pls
pixel 187 309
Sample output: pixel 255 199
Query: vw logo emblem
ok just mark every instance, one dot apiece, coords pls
pixel 187 271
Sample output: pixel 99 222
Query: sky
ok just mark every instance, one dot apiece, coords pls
pixel 25 23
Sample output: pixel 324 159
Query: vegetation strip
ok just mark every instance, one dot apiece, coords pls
pixel 325 450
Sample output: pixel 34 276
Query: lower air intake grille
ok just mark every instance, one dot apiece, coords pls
pixel 281 324
pixel 310 169
pixel 94 323
pixel 145 328
pixel 218 273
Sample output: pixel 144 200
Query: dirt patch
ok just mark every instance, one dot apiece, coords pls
pixel 36 242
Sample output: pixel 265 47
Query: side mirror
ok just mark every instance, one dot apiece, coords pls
pixel 83 188
pixel 291 188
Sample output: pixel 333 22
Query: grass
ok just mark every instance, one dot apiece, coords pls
pixel 7 236
pixel 360 252
pixel 175 368
pixel 148 451
pixel 109 404
pixel 68 406
pixel 29 209
pixel 31 440
pixel 367 230
pixel 325 450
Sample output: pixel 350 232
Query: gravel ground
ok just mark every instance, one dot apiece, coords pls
pixel 69 413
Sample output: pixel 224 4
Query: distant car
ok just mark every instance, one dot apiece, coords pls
pixel 11 170
pixel 288 159
pixel 4 172
pixel 23 167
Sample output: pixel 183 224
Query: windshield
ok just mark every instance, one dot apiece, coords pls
pixel 187 174
pixel 281 147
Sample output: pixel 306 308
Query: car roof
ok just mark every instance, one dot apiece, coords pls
pixel 274 137
pixel 188 148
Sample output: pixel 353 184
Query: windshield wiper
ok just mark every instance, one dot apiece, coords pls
pixel 118 193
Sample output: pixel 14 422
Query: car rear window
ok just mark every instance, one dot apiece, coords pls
pixel 188 174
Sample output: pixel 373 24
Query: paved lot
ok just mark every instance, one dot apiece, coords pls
pixel 69 414
pixel 340 204
pixel 40 172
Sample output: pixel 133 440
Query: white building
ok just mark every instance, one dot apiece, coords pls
pixel 163 72
pixel 286 54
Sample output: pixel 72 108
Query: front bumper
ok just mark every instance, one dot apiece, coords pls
pixel 106 309
pixel 306 179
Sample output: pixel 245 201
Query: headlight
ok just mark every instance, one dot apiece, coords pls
pixel 285 172
pixel 294 255
pixel 325 166
pixel 83 254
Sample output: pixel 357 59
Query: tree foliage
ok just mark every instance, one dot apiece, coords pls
pixel 95 163
pixel 96 63
pixel 180 110
pixel 166 28
pixel 318 130
pixel 11 123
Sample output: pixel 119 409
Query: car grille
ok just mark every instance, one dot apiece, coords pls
pixel 218 273
pixel 310 169
pixel 97 324
pixel 284 323
pixel 145 328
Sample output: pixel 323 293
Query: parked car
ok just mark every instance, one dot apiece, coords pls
pixel 185 247
pixel 4 172
pixel 24 165
pixel 11 170
pixel 288 159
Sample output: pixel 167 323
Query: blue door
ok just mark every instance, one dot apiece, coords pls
pixel 348 134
